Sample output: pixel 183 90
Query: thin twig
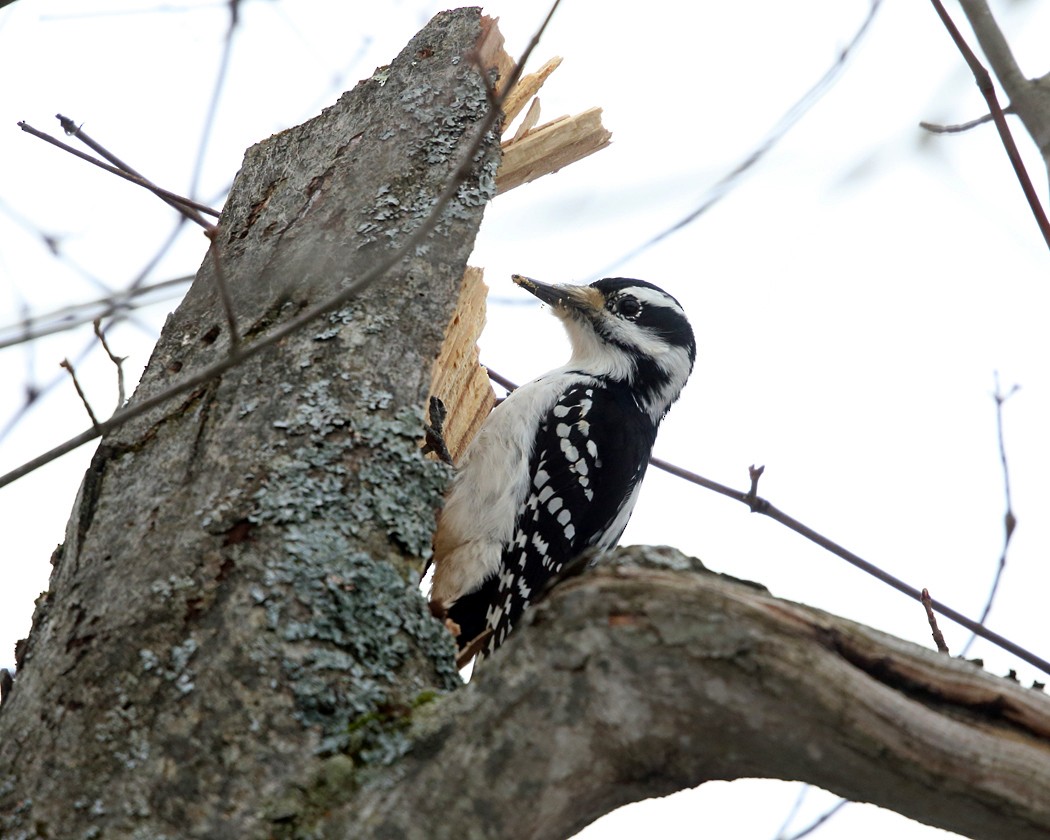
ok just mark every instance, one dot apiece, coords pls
pixel 70 127
pixel 803 792
pixel 774 513
pixel 1009 520
pixel 938 637
pixel 65 363
pixel 752 499
pixel 279 333
pixel 984 84
pixel 117 360
pixel 216 94
pixel 759 505
pixel 34 392
pixel 127 176
pixel 934 128
pixel 819 821
pixel 224 289
pixel 502 381
pixel 32 327
pixel 776 134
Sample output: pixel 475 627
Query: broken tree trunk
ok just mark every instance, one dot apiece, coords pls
pixel 236 597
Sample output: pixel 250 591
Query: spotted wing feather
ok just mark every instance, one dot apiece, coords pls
pixel 584 471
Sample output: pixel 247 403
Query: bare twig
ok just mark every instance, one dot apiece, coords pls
pixel 65 363
pixel 818 822
pixel 752 498
pixel 803 792
pixel 984 84
pixel 118 361
pixel 34 391
pixel 934 128
pixel 32 327
pixel 502 381
pixel 760 505
pixel 776 134
pixel 1009 519
pixel 938 637
pixel 216 94
pixel 70 127
pixel 224 289
pixel 167 195
pixel 279 333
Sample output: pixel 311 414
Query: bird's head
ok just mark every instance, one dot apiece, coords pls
pixel 627 331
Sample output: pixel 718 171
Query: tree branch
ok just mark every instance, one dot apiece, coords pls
pixel 1036 119
pixel 647 675
pixel 758 504
pixel 168 196
pixel 787 121
pixel 994 45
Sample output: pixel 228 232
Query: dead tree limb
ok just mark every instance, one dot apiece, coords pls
pixel 647 675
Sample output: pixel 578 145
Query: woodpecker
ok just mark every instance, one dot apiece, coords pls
pixel 557 466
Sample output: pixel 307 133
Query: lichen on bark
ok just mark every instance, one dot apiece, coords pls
pixel 238 583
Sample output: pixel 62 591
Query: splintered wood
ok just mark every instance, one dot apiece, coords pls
pixel 533 151
pixel 536 151
pixel 526 88
pixel 457 377
pixel 548 148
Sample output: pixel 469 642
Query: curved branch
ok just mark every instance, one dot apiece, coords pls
pixel 646 675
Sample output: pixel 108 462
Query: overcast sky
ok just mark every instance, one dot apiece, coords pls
pixel 853 296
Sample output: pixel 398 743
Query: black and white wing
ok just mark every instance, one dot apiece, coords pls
pixel 585 475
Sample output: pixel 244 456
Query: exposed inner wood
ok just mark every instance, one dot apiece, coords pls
pixel 532 116
pixel 550 147
pixel 458 379
pixel 490 52
pixel 526 88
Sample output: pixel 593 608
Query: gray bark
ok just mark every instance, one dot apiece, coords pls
pixel 1029 96
pixel 238 579
pixel 647 675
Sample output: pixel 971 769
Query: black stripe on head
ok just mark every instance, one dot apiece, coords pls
pixel 665 322
pixel 609 285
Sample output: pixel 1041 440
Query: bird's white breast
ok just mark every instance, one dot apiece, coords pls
pixel 491 485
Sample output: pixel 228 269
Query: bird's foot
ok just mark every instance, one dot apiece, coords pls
pixel 434 432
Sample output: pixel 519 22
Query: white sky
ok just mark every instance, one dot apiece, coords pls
pixel 852 298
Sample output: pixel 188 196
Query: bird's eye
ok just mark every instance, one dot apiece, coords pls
pixel 629 307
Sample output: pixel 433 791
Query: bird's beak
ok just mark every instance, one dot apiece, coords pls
pixel 579 298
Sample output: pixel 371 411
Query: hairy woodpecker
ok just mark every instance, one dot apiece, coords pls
pixel 557 466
